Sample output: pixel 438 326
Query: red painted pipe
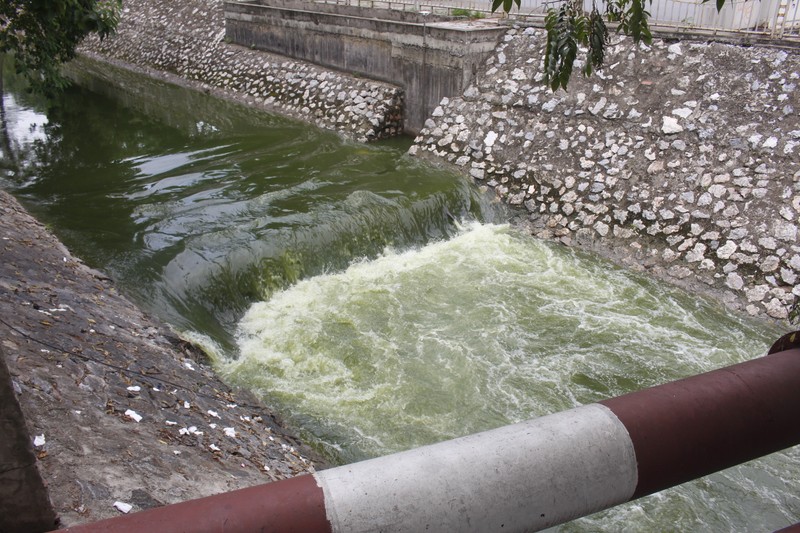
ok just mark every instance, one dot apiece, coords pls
pixel 527 476
pixel 293 505
pixel 690 428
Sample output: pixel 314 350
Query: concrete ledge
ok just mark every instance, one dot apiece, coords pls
pixel 429 56
pixel 24 502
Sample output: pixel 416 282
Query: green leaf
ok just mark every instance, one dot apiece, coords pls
pixel 507 5
pixel 597 40
pixel 635 22
pixel 720 3
pixel 566 28
pixel 569 27
pixel 42 34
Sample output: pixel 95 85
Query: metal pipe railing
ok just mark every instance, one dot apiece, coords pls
pixel 527 476
pixel 771 19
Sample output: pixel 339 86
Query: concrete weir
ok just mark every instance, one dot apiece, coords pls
pixel 429 56
pixel 530 475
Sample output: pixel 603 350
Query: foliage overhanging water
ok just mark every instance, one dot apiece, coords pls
pixel 335 282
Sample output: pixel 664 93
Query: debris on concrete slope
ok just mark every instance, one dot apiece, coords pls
pixel 120 411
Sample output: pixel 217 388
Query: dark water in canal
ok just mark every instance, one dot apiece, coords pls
pixel 377 302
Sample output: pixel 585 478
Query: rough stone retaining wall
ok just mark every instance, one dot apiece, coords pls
pixel 681 158
pixel 186 38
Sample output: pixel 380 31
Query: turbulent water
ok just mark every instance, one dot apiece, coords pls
pixel 489 327
pixel 376 302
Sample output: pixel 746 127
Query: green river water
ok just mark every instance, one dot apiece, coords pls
pixel 374 301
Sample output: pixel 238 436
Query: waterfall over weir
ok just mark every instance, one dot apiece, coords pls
pixel 375 302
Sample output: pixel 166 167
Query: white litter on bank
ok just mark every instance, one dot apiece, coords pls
pixel 130 413
pixel 123 507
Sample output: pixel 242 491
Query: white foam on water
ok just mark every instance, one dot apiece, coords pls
pixel 209 346
pixel 488 328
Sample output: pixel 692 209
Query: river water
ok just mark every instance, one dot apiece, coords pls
pixel 376 302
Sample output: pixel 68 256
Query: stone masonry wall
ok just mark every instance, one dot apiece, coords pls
pixel 186 38
pixel 682 158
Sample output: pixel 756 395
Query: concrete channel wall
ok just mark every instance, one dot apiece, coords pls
pixel 429 56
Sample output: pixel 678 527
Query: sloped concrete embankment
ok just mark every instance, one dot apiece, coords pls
pixel 123 416
pixel 187 39
pixel 680 158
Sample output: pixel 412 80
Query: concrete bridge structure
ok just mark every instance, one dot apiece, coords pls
pixel 429 56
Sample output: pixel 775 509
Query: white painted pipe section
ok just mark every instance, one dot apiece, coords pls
pixel 523 477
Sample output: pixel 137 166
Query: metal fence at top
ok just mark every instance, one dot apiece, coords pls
pixel 777 20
